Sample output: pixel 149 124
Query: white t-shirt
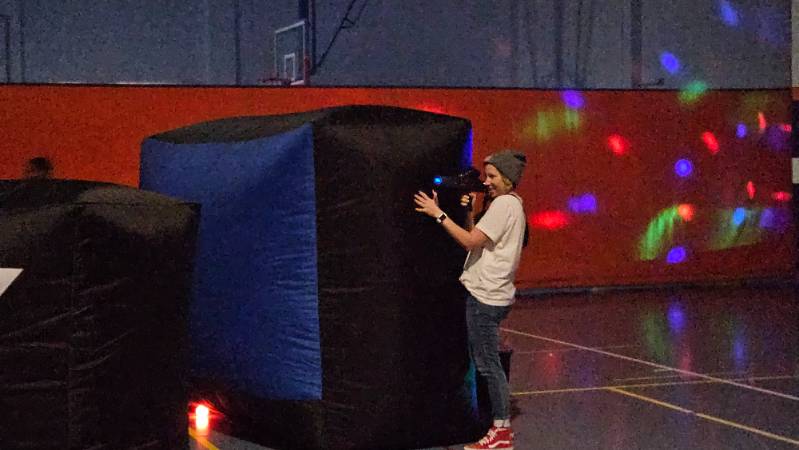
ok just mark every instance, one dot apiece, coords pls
pixel 489 271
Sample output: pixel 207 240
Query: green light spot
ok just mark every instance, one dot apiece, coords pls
pixel 659 234
pixel 655 334
pixel 544 126
pixel 693 91
pixel 571 119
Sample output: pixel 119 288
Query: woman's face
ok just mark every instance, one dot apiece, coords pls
pixel 494 182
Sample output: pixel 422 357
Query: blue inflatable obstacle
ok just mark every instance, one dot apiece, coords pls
pixel 327 312
pixel 94 288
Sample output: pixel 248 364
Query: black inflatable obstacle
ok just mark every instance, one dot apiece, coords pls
pixel 93 329
pixel 327 312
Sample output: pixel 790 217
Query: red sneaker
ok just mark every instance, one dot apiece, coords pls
pixel 496 439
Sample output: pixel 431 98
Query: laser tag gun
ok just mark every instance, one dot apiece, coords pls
pixel 463 183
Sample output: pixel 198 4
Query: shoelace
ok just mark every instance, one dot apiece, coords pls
pixel 492 433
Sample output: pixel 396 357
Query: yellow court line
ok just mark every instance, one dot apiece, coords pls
pixel 659 366
pixel 652 400
pixel 644 385
pixel 558 391
pixel 719 420
pixel 201 440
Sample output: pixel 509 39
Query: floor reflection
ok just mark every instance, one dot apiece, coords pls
pixel 692 368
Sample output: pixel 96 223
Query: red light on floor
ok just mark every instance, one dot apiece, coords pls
pixel 618 144
pixel 202 417
pixel 686 211
pixel 761 122
pixel 550 220
pixel 781 196
pixel 750 189
pixel 711 142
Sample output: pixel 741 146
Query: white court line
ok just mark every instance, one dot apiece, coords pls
pixel 736 375
pixel 659 366
pixel 564 350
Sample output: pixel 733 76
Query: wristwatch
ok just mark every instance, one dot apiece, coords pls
pixel 441 218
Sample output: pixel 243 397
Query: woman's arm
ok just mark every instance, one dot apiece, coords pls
pixel 468 239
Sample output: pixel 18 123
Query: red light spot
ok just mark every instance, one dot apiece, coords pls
pixel 710 141
pixel 201 417
pixel 781 196
pixel 431 108
pixel 201 414
pixel 786 127
pixel 550 220
pixel 686 211
pixel 685 361
pixel 750 189
pixel 618 144
pixel 761 122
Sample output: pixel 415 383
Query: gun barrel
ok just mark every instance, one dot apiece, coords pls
pixel 467 181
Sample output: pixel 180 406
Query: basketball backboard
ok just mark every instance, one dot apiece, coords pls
pixel 291 62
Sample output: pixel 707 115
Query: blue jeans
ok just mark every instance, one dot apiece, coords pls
pixel 482 324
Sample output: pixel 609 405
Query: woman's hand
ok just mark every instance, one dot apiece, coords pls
pixel 467 200
pixel 427 205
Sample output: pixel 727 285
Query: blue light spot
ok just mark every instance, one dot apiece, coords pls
pixel 584 204
pixel 676 317
pixel 767 218
pixel 589 203
pixel 683 168
pixel 728 13
pixel 573 99
pixel 670 62
pixel 738 216
pixel 676 255
pixel 437 180
pixel 775 219
pixel 777 139
pixel 740 131
pixel 739 350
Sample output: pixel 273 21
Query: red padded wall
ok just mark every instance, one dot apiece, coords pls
pixel 94 133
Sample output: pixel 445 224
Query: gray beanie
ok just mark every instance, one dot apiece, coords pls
pixel 510 163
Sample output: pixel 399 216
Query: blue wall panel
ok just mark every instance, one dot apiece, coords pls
pixel 254 319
